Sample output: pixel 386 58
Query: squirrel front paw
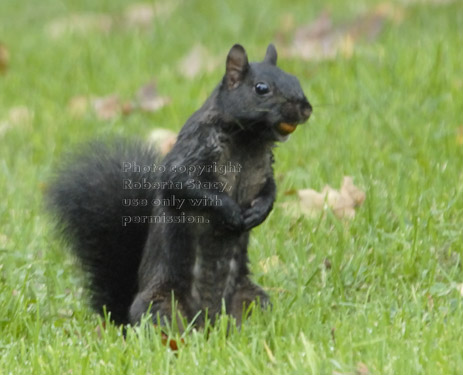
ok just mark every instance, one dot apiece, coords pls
pixel 256 214
pixel 233 220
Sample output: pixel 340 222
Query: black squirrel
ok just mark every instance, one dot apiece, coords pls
pixel 150 231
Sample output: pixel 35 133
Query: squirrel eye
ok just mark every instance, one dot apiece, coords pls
pixel 261 88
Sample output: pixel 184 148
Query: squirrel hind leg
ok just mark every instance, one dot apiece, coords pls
pixel 165 309
pixel 246 294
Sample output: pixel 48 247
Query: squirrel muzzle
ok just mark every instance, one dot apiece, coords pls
pixel 303 112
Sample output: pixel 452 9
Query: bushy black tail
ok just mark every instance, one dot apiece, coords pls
pixel 87 198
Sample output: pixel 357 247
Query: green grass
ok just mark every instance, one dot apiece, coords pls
pixel 391 302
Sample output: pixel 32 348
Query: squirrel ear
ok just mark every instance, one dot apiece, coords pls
pixel 271 55
pixel 237 66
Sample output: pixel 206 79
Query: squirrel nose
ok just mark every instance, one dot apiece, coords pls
pixel 306 110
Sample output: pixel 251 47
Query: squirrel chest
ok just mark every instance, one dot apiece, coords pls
pixel 220 258
pixel 250 167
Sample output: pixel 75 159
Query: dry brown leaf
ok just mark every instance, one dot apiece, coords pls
pixel 321 39
pixel 317 40
pixel 148 100
pixel 370 25
pixel 196 61
pixel 4 58
pixel 108 107
pixel 349 189
pixel 312 201
pixel 290 192
pixel 163 140
pixel 342 202
pixel 80 23
pixel 142 15
pixel 432 2
pixel 362 369
pixel 139 15
pixel 111 106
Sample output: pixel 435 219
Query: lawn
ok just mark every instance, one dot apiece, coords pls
pixel 381 293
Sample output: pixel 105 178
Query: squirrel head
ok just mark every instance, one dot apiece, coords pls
pixel 259 98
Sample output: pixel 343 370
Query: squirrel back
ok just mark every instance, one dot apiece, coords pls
pixel 138 256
